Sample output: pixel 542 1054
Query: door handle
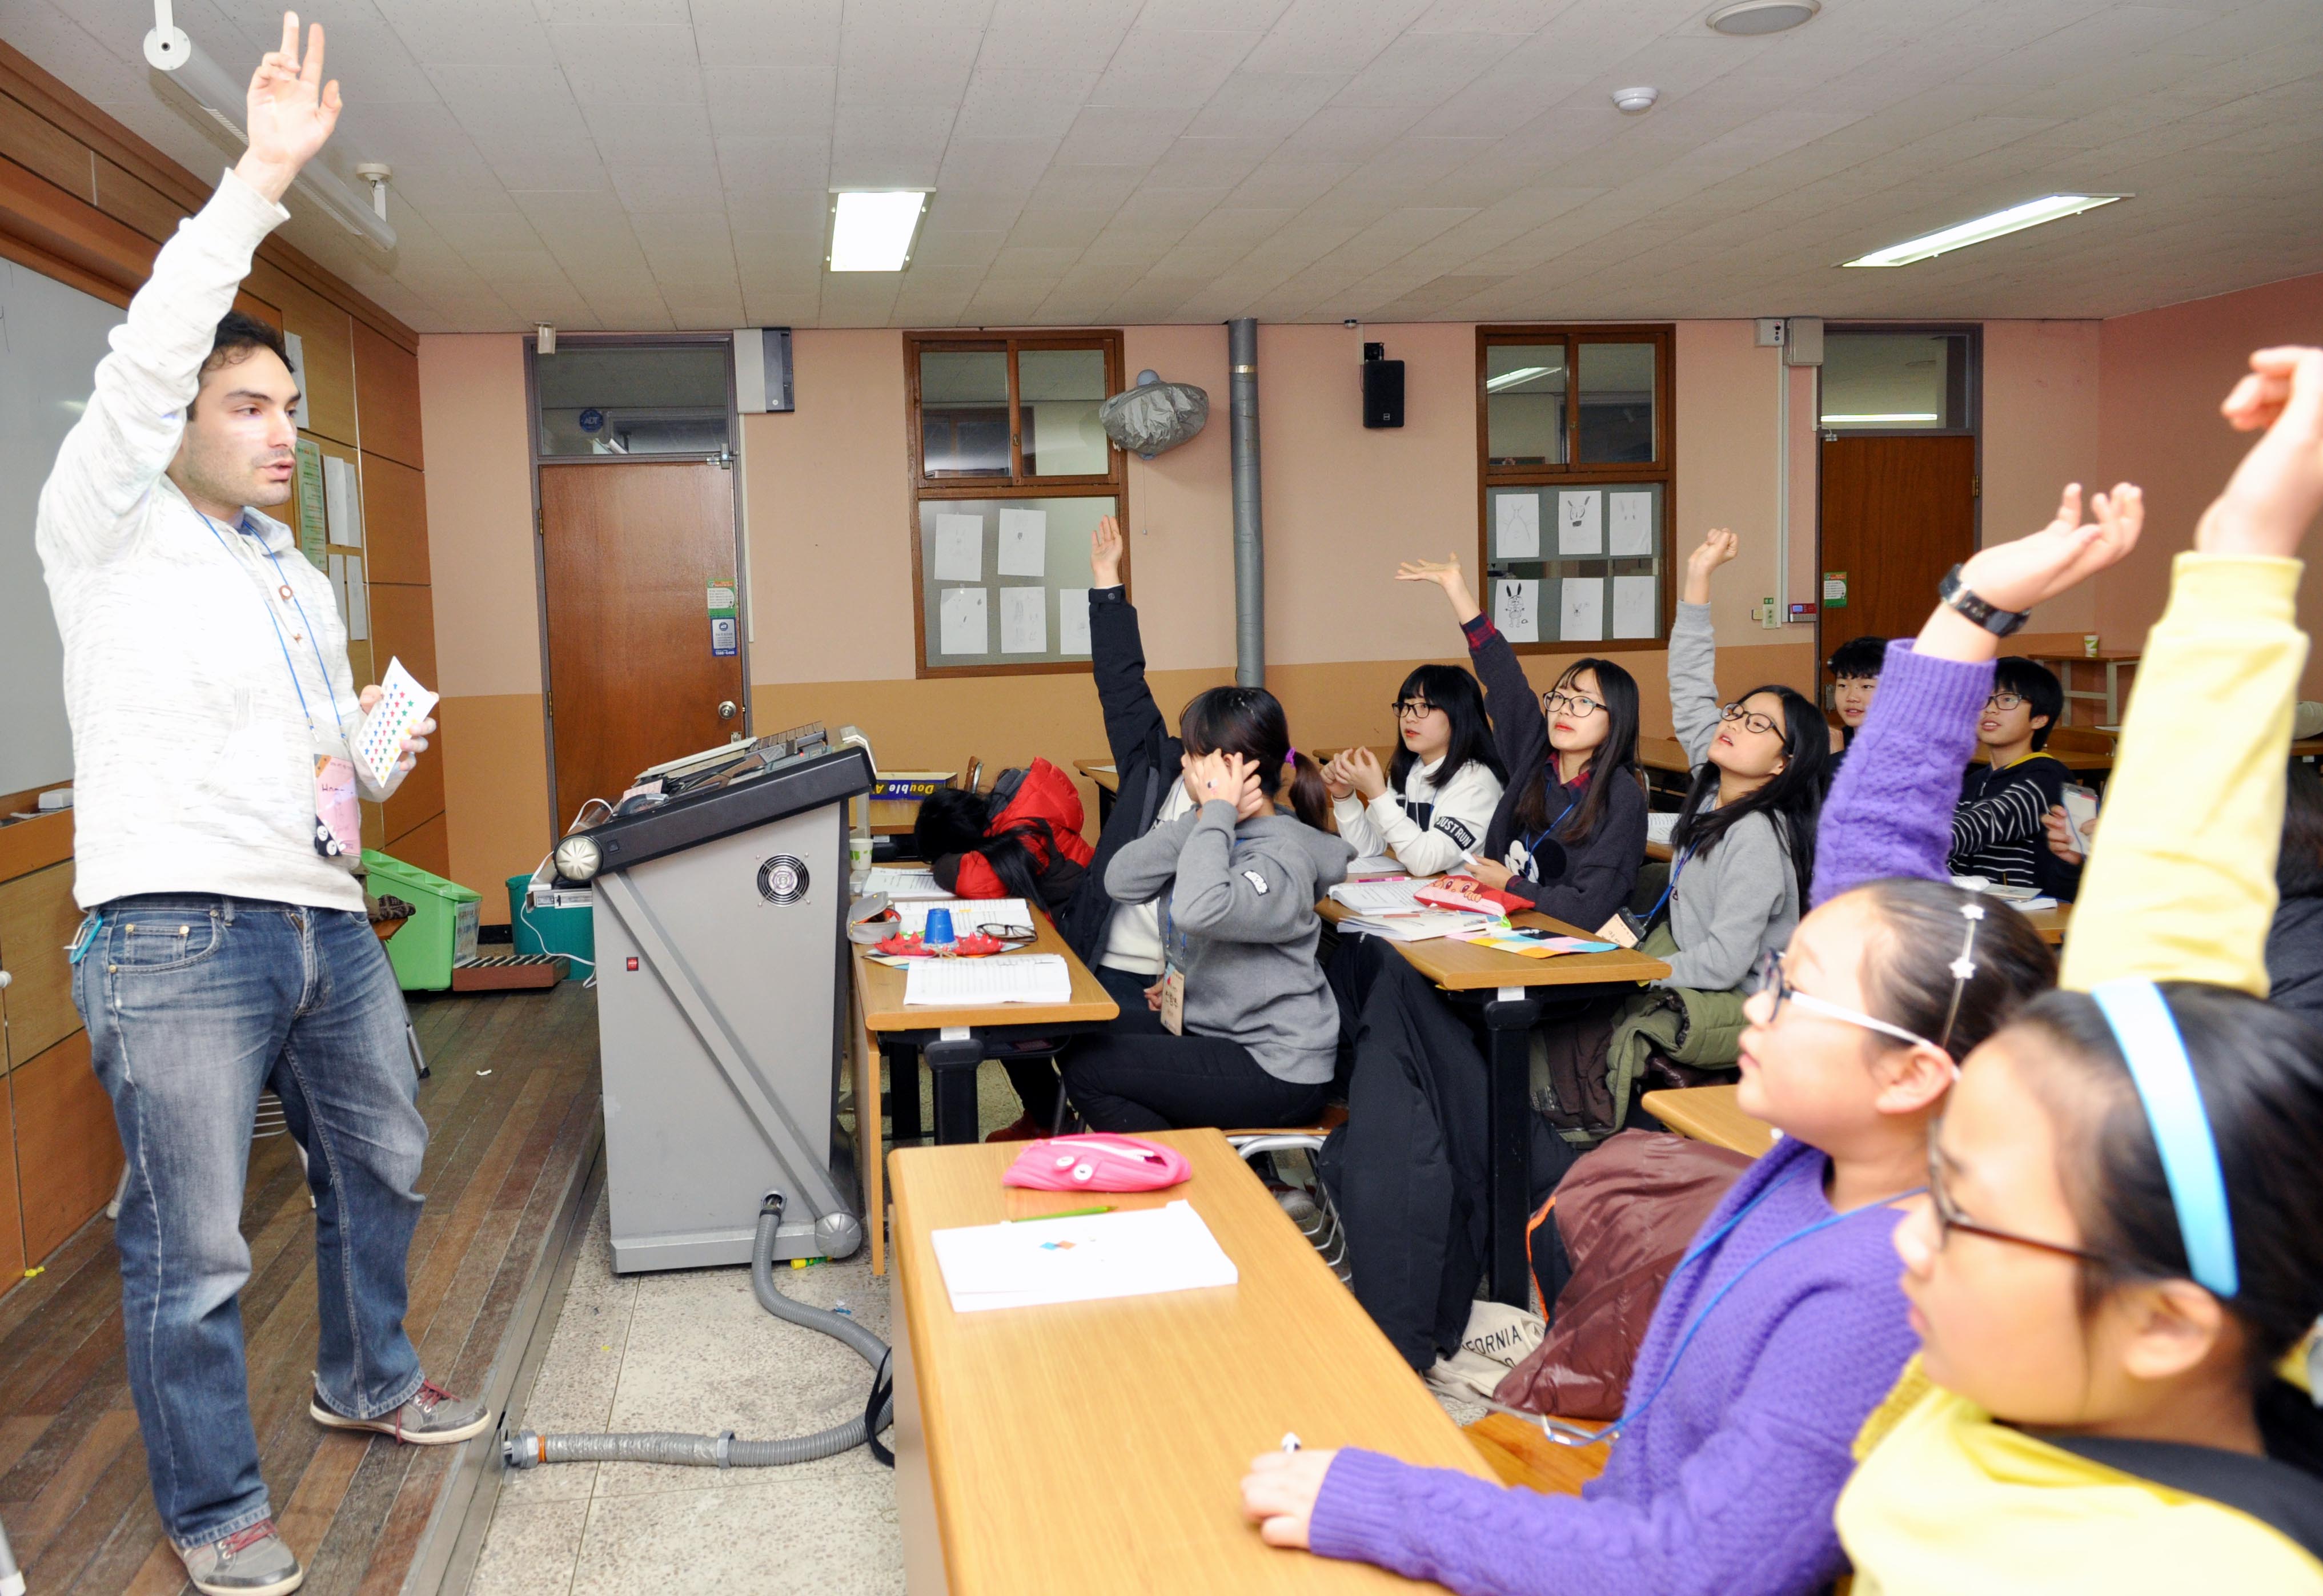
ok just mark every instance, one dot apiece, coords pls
pixel 726 710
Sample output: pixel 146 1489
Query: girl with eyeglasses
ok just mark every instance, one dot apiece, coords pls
pixel 2125 1230
pixel 1431 804
pixel 1569 831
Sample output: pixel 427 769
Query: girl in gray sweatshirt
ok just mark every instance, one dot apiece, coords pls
pixel 1251 1026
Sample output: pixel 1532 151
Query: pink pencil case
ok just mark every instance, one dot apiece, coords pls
pixel 1096 1162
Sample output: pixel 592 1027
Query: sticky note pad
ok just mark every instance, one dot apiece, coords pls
pixel 379 742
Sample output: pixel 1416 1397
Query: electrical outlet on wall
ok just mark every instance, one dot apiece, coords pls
pixel 1769 617
pixel 1771 332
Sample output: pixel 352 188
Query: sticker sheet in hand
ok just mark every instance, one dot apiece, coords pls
pixel 403 705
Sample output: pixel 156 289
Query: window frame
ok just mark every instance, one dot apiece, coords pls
pixel 1661 470
pixel 1016 485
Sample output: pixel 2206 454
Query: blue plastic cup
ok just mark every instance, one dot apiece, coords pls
pixel 938 932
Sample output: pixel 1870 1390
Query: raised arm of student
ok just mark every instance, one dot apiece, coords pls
pixel 1132 721
pixel 1891 811
pixel 2182 886
pixel 129 431
pixel 1693 648
pixel 1519 729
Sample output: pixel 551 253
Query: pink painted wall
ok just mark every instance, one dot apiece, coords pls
pixel 2041 424
pixel 2161 375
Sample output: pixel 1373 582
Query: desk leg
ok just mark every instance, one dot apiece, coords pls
pixel 1508 1025
pixel 954 1063
pixel 903 1089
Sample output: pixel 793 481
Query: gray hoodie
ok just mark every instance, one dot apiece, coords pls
pixel 1741 898
pixel 1241 925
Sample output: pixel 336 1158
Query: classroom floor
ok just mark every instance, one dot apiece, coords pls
pixel 511 1109
pixel 692 1350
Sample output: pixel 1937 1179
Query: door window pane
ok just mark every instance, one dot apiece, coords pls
pixel 1524 403
pixel 1058 394
pixel 964 412
pixel 1894 381
pixel 632 400
pixel 1617 403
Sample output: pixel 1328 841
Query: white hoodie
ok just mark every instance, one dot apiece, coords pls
pixel 1426 827
pixel 193 767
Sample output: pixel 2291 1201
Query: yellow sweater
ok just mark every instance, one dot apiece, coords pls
pixel 2182 887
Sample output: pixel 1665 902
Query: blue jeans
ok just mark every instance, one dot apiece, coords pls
pixel 194 1004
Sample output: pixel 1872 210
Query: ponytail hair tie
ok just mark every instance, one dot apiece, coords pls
pixel 1291 757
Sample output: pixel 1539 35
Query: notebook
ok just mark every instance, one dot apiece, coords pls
pixel 1032 1263
pixel 973 982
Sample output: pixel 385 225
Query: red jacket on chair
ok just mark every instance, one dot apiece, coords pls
pixel 1045 793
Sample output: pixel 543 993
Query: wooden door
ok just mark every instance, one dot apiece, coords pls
pixel 1898 513
pixel 629 552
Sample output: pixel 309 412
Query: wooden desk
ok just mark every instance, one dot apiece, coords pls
pixel 1107 782
pixel 2050 923
pixel 1099 1446
pixel 1660 852
pixel 952 1041
pixel 1665 755
pixel 1710 1113
pixel 1516 993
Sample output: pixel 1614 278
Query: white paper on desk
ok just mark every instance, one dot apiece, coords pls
pixel 1381 897
pixel 1580 521
pixel 1132 1252
pixel 973 982
pixel 959 548
pixel 965 628
pixel 1630 524
pixel 1580 610
pixel 1661 828
pixel 967 913
pixel 1633 606
pixel 1023 620
pixel 1426 926
pixel 1516 609
pixel 1023 543
pixel 900 883
pixel 1072 621
pixel 342 502
pixel 1516 527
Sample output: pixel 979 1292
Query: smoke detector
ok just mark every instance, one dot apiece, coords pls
pixel 1749 18
pixel 1635 102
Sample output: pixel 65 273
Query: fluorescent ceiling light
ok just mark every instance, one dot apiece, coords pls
pixel 873 232
pixel 2015 218
pixel 1896 416
pixel 1510 378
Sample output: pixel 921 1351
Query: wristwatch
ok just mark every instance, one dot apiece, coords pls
pixel 1999 622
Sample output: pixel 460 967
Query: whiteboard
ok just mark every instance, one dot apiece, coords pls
pixel 51 339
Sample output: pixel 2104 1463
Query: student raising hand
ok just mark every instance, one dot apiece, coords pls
pixel 2273 496
pixel 2029 571
pixel 1446 575
pixel 1104 553
pixel 1718 547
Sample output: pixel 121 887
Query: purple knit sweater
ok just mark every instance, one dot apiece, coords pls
pixel 1890 812
pixel 1726 1482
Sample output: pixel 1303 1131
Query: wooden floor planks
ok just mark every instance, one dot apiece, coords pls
pixel 512 1111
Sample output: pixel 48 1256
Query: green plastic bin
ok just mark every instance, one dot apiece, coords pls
pixel 572 930
pixel 440 935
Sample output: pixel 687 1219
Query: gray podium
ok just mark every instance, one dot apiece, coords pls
pixel 721 954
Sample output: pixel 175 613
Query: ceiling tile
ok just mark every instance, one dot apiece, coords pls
pixel 795 34
pixel 771 102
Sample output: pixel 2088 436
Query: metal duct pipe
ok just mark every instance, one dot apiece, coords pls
pixel 1250 567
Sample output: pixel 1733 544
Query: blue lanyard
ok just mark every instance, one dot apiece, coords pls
pixel 1678 869
pixel 1532 843
pixel 1700 1250
pixel 279 643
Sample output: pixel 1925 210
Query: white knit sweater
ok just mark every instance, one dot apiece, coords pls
pixel 193 767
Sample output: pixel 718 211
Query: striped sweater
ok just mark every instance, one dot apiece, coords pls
pixel 1998 830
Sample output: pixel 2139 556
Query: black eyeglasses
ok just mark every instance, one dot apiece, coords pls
pixel 2005 700
pixel 1411 709
pixel 1950 1218
pixel 1561 702
pixel 1750 719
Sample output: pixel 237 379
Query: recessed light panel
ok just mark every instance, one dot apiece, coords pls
pixel 873 232
pixel 1999 224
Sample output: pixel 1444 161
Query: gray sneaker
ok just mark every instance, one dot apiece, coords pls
pixel 253 1561
pixel 433 1418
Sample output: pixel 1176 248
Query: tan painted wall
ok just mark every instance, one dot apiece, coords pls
pixel 2162 374
pixel 827 528
pixel 2040 431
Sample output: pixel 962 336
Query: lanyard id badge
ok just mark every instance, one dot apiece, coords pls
pixel 1174 1000
pixel 338 822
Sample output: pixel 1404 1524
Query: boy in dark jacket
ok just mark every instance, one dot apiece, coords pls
pixel 1999 830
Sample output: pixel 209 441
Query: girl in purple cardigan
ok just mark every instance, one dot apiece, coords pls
pixel 1784 1326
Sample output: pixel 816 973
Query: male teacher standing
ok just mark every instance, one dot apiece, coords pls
pixel 225 948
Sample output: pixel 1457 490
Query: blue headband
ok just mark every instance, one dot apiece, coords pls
pixel 2164 1077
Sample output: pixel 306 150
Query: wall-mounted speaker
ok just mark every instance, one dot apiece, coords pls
pixel 1382 388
